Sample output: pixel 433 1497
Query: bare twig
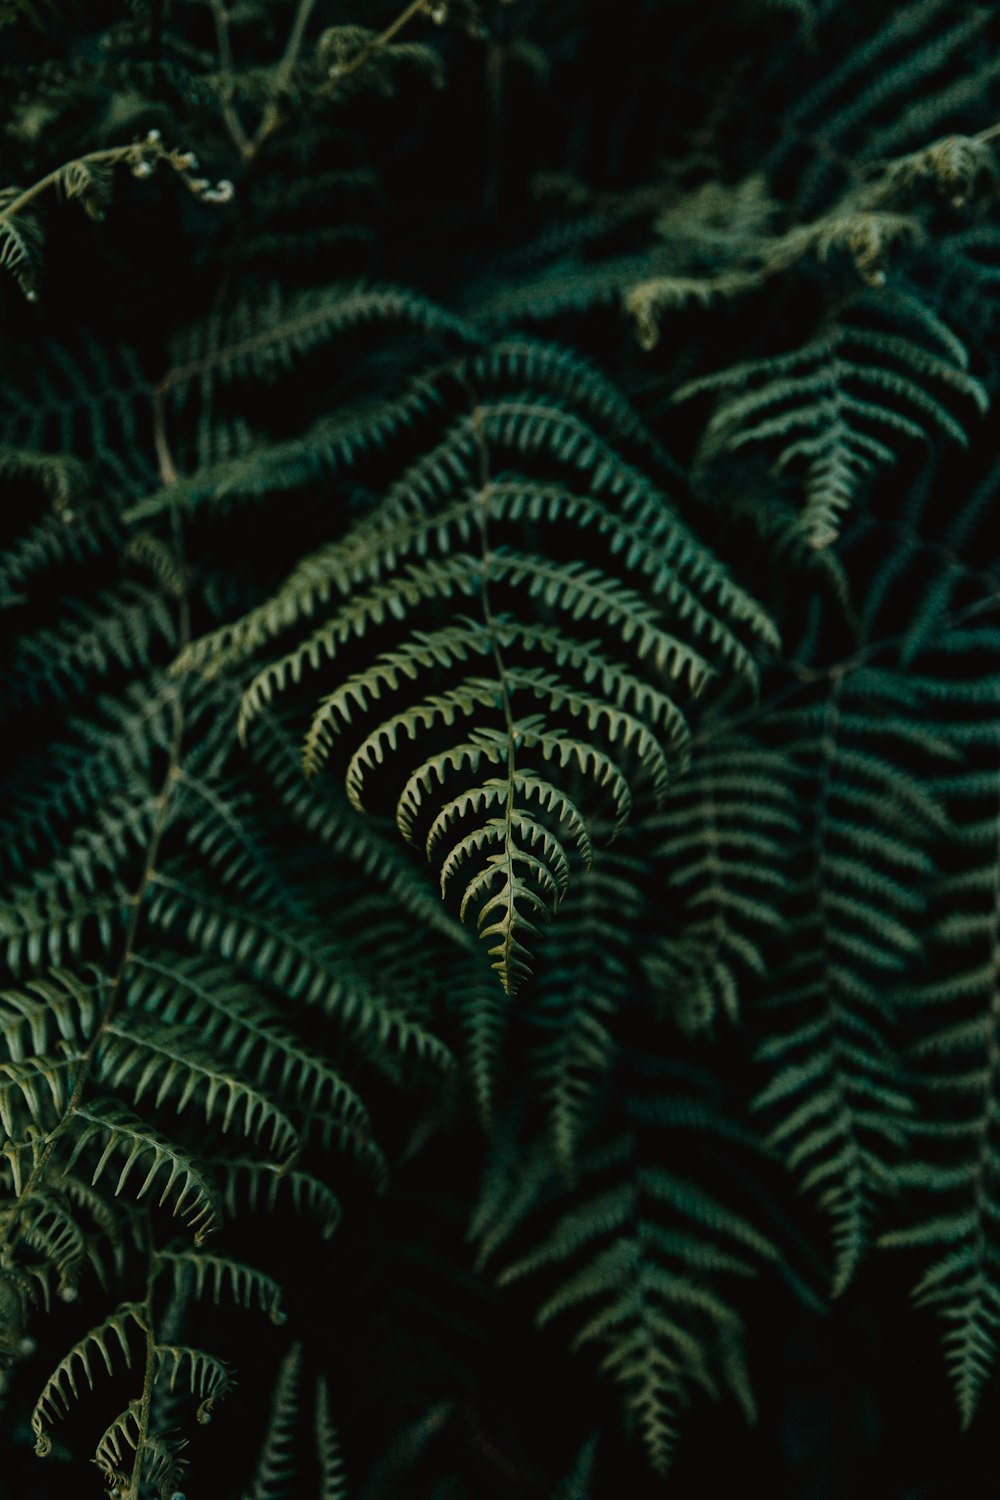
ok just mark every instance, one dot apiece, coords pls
pixel 231 118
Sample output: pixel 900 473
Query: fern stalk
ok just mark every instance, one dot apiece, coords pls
pixel 148 1377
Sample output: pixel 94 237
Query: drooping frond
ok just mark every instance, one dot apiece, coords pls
pixel 125 1145
pixel 63 1385
pixel 836 1092
pixel 277 1463
pixel 950 1178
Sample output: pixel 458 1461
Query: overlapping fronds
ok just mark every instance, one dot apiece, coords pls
pixel 950 1177
pixel 522 713
pixel 456 509
pixel 853 936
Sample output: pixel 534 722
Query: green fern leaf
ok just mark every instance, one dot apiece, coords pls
pixel 129 1146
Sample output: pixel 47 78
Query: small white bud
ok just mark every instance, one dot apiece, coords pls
pixel 31 296
pixel 142 169
pixel 439 14
pixel 152 136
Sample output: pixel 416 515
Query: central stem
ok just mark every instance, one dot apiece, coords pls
pixel 146 1400
pixel 483 512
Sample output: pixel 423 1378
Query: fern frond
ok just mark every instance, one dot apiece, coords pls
pixel 120 631
pixel 588 979
pixel 201 1374
pixel 261 1187
pixel 838 405
pixel 290 957
pixel 950 1175
pixel 724 842
pixel 38 1085
pixel 145 1055
pixel 43 928
pixel 21 241
pixel 59 1002
pixel 837 1087
pixel 333 1480
pixel 259 340
pixel 129 1146
pixel 232 1017
pixel 116 745
pixel 161 1463
pixel 277 1465
pixel 51 1229
pixel 642 1256
pixel 63 1386
pixel 247 1286
pixel 593 712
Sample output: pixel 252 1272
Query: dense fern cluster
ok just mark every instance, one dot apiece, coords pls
pixel 500 679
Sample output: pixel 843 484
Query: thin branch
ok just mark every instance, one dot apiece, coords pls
pixel 293 46
pixel 145 153
pixel 382 40
pixel 274 116
pixel 233 123
pixel 134 1490
pixel 111 155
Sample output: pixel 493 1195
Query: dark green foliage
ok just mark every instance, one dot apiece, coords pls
pixel 519 472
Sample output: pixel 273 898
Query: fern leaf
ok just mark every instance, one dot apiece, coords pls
pixel 161 1465
pixel 63 1386
pixel 21 242
pixel 277 1465
pixel 949 1177
pixel 261 1187
pixel 821 402
pixel 193 1370
pixel 836 1087
pixel 130 1146
pixel 725 842
pixel 246 1286
pixel 333 1481
pixel 147 1056
pixel 245 1028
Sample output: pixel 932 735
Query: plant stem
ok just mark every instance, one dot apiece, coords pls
pixel 384 38
pixel 111 154
pixel 145 1402
pixel 231 118
pixel 149 150
pixel 274 116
